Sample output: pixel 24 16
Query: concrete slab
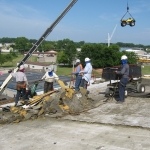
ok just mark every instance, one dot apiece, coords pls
pixel 58 134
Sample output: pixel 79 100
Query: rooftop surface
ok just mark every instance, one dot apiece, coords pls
pixel 109 126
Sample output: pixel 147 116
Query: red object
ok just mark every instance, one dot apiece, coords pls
pixel 88 84
pixel 21 70
pixel 52 89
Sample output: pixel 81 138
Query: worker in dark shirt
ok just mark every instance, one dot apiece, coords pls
pixel 124 72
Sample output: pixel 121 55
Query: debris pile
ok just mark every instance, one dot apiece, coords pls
pixel 64 101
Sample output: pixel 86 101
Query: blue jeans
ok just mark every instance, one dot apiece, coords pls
pixel 78 82
pixel 122 86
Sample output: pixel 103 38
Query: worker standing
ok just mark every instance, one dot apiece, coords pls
pixel 87 72
pixel 22 82
pixel 124 72
pixel 49 77
pixel 77 69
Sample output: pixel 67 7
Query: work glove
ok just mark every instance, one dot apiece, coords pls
pixel 81 72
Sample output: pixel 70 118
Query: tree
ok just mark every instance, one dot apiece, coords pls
pixel 104 56
pixel 62 57
pixel 9 58
pixel 7 40
pixel 22 44
pixel 70 51
pixel 47 46
pixel 2 59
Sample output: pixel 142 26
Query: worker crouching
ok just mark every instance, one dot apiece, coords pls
pixel 49 77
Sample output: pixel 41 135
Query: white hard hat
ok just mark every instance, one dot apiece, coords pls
pixel 87 59
pixel 124 57
pixel 48 69
pixel 78 60
pixel 21 67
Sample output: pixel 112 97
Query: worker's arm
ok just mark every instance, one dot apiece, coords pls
pixel 25 79
pixel 44 76
pixel 55 76
pixel 77 70
pixel 123 70
pixel 85 71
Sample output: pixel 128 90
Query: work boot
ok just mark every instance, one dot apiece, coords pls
pixel 76 92
pixel 119 102
pixel 15 105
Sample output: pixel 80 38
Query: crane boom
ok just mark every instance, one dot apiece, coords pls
pixel 110 37
pixel 35 46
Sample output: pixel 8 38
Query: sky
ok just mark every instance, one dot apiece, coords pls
pixel 87 20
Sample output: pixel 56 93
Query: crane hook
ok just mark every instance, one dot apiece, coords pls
pixel 127 6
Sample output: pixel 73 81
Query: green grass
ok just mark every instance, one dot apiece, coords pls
pixel 17 60
pixel 64 71
pixel 68 70
pixel 146 70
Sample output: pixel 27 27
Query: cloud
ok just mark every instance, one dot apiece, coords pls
pixel 19 10
pixel 8 9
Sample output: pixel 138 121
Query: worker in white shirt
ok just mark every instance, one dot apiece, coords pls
pixel 22 82
pixel 87 72
pixel 49 77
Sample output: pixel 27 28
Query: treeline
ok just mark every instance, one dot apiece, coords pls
pixel 57 45
pixel 100 54
pixel 7 40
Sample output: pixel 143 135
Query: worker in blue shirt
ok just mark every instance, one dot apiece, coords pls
pixel 77 69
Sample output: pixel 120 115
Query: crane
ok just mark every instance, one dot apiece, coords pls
pixel 36 45
pixel 110 37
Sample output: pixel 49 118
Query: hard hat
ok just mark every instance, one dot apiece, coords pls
pixel 87 59
pixel 124 57
pixel 48 69
pixel 21 67
pixel 78 60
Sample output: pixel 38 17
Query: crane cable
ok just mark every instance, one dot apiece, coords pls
pixel 127 12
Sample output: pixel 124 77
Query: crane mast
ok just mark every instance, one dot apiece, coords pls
pixel 110 37
pixel 35 46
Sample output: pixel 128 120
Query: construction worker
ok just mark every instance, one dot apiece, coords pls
pixel 22 82
pixel 77 69
pixel 124 72
pixel 86 73
pixel 49 77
